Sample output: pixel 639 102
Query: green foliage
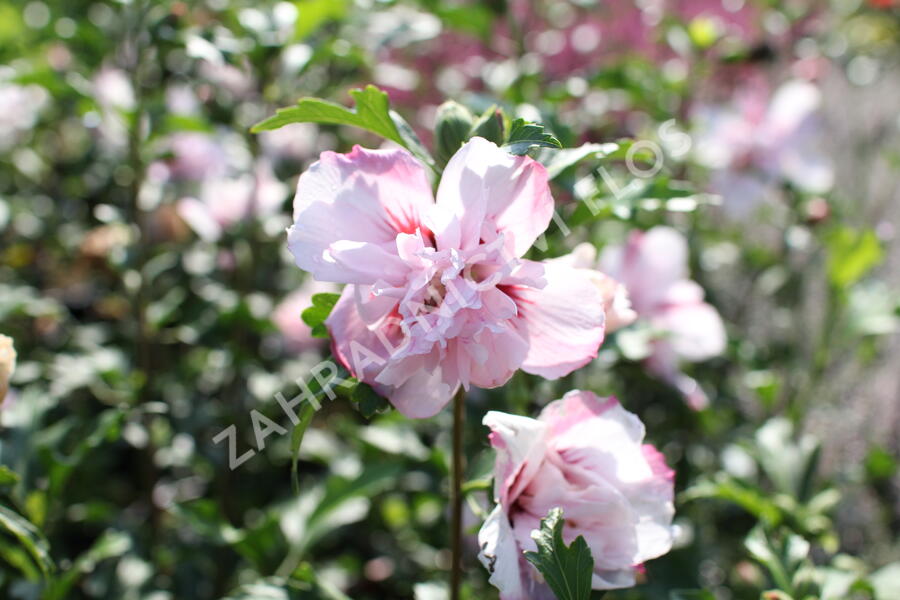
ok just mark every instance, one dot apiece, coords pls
pixel 372 113
pixel 315 315
pixel 851 255
pixel 29 538
pixel 566 569
pixel 523 136
pixel 453 126
pixel 367 400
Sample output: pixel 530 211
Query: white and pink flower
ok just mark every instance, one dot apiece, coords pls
pixel 224 202
pixel 758 143
pixel 653 267
pixel 585 455
pixel 440 296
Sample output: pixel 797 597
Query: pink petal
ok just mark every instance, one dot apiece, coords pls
pixel 485 190
pixel 694 329
pixel 563 322
pixel 423 395
pixel 356 346
pixel 500 555
pixel 520 446
pixel 649 263
pixel 365 197
pixel 573 408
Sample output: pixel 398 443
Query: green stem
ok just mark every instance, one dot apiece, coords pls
pixel 456 495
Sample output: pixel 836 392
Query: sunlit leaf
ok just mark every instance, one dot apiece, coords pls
pixel 851 255
pixel 523 136
pixel 372 113
pixel 31 539
pixel 568 570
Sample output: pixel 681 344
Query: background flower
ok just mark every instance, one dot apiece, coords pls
pixel 653 267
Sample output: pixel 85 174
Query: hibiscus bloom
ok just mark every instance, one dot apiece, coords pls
pixel 653 266
pixel 440 296
pixel 616 304
pixel 226 201
pixel 757 144
pixel 585 455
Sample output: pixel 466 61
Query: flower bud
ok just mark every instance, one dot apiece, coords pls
pixel 490 126
pixel 7 364
pixel 451 130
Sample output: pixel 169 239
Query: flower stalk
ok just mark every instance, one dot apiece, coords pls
pixel 456 495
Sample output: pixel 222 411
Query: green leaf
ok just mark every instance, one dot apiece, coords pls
pixel 851 254
pixel 367 400
pixel 272 588
pixel 523 136
pixel 558 161
pixel 315 315
pixel 8 476
pixel 691 595
pixel 750 498
pixel 29 537
pixel 372 113
pixel 567 570
pixel 305 418
pixel 312 14
pixel 111 544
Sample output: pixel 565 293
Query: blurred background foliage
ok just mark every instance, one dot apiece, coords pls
pixel 146 283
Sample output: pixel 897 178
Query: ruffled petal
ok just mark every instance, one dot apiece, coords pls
pixel 563 322
pixel 484 191
pixel 364 198
pixel 520 445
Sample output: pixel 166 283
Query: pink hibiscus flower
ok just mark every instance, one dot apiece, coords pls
pixel 759 143
pixel 653 266
pixel 440 296
pixel 226 201
pixel 585 455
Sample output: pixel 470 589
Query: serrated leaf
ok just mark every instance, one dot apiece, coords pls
pixel 567 570
pixel 524 135
pixel 315 315
pixel 31 539
pixel 372 113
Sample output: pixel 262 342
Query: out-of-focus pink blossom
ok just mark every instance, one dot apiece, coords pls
pixel 226 201
pixel 296 141
pixel 757 143
pixel 585 455
pixel 196 156
pixel 112 89
pixel 653 266
pixel 296 334
pixel 439 295
pixel 615 297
